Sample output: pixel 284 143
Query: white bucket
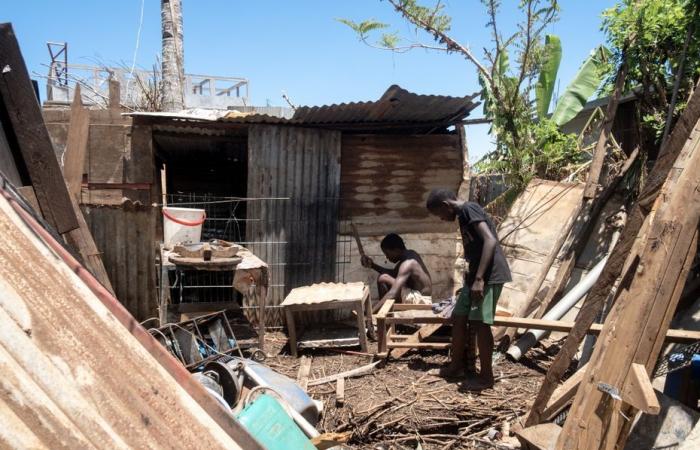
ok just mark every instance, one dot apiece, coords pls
pixel 182 225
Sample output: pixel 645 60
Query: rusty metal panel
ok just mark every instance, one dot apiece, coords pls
pixel 71 374
pixel 385 179
pixel 297 234
pixel 397 105
pixel 125 236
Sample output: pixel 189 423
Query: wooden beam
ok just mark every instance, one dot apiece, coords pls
pixel 27 127
pixel 613 268
pixel 381 325
pixel 675 336
pixel 76 145
pixel 564 394
pixel 645 306
pixel 419 336
pixel 419 345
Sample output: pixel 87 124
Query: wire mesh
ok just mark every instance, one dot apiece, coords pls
pixel 228 218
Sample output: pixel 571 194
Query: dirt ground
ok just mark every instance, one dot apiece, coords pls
pixel 400 406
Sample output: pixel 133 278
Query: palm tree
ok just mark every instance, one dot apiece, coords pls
pixel 173 60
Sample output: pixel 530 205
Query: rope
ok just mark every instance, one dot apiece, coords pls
pixel 186 223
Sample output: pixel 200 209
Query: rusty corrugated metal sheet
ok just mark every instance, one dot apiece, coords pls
pixel 385 179
pixel 296 237
pixel 125 236
pixel 71 374
pixel 396 107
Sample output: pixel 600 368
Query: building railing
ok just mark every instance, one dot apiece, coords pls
pixel 140 87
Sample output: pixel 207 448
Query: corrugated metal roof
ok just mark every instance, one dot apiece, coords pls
pixel 72 375
pixel 396 107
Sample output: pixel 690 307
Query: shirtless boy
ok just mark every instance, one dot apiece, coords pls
pixel 409 281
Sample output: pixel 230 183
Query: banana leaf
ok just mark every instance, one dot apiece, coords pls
pixel 582 87
pixel 548 74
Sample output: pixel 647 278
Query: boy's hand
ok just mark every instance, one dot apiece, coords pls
pixel 366 261
pixel 477 290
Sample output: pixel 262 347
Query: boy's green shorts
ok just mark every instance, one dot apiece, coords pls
pixel 482 311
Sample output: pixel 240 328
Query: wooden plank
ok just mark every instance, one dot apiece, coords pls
pixel 424 332
pixel 564 394
pixel 32 137
pixel 381 325
pixel 539 437
pixel 304 371
pixel 639 392
pixel 419 345
pixel 340 392
pixel 641 313
pixel 29 195
pixel 613 268
pixel 76 145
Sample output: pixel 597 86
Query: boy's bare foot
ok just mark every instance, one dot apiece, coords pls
pixel 448 372
pixel 479 383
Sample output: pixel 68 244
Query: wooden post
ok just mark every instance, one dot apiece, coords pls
pixel 381 326
pixel 644 309
pixel 613 268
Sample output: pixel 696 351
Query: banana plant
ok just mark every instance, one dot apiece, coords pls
pixel 584 84
pixel 548 74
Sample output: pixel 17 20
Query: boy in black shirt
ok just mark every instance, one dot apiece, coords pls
pixel 488 271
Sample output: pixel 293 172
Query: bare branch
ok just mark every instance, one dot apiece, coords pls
pixel 443 38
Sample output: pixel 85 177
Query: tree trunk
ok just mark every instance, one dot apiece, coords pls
pixel 173 67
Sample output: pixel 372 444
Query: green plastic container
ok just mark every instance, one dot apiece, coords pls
pixel 268 422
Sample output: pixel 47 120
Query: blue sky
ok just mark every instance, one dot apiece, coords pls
pixel 292 46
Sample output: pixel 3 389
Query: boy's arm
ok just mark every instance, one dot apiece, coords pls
pixel 367 262
pixel 395 291
pixel 487 252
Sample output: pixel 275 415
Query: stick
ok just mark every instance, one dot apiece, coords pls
pixel 304 370
pixel 340 392
pixel 358 372
pixel 356 235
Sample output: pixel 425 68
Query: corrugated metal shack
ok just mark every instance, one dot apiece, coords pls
pixel 287 188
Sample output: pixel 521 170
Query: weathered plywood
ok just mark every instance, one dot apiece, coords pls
pixel 528 234
pixel 108 146
pixel 385 179
pixel 27 124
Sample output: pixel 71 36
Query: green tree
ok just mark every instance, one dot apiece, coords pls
pixel 661 41
pixel 517 77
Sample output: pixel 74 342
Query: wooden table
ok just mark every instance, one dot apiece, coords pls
pixel 251 279
pixel 325 296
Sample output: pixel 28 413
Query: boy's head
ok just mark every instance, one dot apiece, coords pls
pixel 393 247
pixel 441 202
